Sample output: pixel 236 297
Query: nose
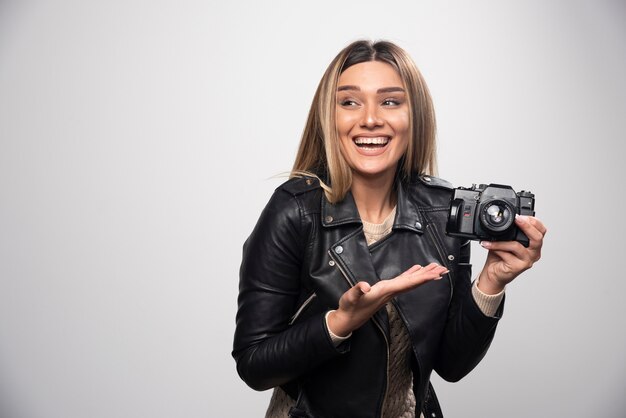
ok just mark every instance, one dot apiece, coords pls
pixel 371 118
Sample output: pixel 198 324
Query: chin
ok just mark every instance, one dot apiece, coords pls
pixel 371 172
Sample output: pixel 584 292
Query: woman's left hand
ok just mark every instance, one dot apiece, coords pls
pixel 507 259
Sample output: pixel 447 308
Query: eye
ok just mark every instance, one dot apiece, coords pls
pixel 391 102
pixel 348 103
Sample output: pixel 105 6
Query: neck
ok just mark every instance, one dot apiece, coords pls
pixel 374 197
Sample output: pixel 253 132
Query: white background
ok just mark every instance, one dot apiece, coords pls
pixel 139 141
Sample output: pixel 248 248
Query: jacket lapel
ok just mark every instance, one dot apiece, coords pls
pixel 350 248
pixel 407 214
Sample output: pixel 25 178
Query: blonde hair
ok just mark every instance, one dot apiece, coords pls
pixel 319 154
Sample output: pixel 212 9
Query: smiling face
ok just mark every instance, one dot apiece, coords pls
pixel 372 116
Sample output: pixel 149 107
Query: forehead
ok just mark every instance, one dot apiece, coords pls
pixel 372 74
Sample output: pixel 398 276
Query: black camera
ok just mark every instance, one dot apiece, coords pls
pixel 487 212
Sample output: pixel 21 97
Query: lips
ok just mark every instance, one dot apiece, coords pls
pixel 371 142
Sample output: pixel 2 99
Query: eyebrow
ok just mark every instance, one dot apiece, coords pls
pixel 383 90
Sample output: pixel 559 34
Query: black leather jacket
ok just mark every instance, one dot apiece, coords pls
pixel 304 253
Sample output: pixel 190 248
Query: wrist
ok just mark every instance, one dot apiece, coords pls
pixel 489 286
pixel 336 326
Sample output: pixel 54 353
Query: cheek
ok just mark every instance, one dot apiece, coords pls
pixel 345 122
pixel 400 123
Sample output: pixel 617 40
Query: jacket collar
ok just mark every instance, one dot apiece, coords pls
pixel 345 212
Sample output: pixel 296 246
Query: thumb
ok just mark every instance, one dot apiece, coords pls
pixel 356 292
pixel 363 287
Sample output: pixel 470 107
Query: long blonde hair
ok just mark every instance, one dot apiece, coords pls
pixel 320 154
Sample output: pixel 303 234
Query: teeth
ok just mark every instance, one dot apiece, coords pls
pixel 378 140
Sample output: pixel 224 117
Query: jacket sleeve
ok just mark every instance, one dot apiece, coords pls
pixel 268 351
pixel 468 332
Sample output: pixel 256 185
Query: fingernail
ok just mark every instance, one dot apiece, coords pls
pixel 485 244
pixel 521 218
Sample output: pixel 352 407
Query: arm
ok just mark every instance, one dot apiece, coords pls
pixel 469 332
pixel 268 351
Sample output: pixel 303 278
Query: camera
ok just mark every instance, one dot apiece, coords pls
pixel 487 212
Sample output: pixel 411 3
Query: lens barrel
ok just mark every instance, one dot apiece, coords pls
pixel 496 216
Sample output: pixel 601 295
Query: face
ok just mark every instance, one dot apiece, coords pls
pixel 372 114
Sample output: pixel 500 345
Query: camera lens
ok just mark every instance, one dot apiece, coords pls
pixel 496 216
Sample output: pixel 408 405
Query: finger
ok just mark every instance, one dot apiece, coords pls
pixel 514 265
pixel 431 266
pixel 538 224
pixel 417 268
pixel 413 269
pixel 512 254
pixel 440 272
pixel 424 275
pixel 435 270
pixel 512 247
pixel 443 270
pixel 532 227
pixel 412 278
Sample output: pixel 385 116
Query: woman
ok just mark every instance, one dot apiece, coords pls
pixel 350 291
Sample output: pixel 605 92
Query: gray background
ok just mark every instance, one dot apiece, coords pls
pixel 139 141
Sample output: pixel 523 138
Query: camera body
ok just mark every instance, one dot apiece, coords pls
pixel 487 212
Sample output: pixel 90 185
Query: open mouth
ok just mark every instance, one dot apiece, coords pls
pixel 371 143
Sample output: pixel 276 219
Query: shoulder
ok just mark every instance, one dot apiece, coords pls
pixel 306 192
pixel 283 218
pixel 286 215
pixel 430 191
pixel 300 185
pixel 436 182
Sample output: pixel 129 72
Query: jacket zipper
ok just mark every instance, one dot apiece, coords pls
pixel 380 328
pixel 301 308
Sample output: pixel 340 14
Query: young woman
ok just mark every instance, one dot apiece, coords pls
pixel 351 293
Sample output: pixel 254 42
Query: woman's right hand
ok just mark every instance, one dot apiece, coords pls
pixel 358 304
